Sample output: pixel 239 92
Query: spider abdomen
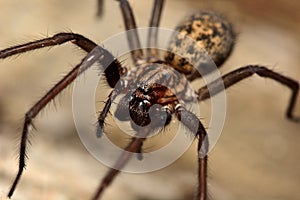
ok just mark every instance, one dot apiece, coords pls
pixel 209 34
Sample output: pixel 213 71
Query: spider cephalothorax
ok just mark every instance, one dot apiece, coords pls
pixel 149 84
pixel 156 88
pixel 141 101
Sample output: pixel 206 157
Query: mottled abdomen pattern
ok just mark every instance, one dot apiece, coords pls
pixel 211 38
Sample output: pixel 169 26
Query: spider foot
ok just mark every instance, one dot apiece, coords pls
pixel 99 131
pixel 139 152
pixel 140 156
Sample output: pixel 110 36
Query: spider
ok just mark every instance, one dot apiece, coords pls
pixel 217 40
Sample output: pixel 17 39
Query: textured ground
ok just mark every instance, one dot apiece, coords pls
pixel 257 156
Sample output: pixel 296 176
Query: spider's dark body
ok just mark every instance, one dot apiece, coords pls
pixel 156 88
pixel 210 36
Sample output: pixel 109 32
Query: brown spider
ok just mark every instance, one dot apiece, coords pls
pixel 209 29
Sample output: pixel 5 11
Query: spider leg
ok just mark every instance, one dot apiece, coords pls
pixel 245 72
pixel 110 75
pixel 98 54
pixel 112 72
pixel 188 119
pixel 100 5
pixel 152 34
pixel 134 146
pixel 58 39
pixel 132 34
pixel 104 112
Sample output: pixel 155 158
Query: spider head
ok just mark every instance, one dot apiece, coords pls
pixel 143 106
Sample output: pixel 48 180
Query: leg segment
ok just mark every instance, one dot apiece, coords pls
pixel 132 34
pixel 58 39
pixel 247 71
pixel 100 5
pixel 154 22
pixel 112 72
pixel 195 126
pixel 104 112
pixel 98 54
pixel 134 146
pixel 202 176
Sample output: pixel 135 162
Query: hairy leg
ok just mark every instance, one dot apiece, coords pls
pixel 134 146
pixel 191 121
pixel 132 34
pixel 245 72
pixel 97 54
pixel 152 35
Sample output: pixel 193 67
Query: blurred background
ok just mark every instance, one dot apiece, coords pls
pixel 256 157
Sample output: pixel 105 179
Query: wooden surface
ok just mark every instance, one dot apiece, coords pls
pixel 257 156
